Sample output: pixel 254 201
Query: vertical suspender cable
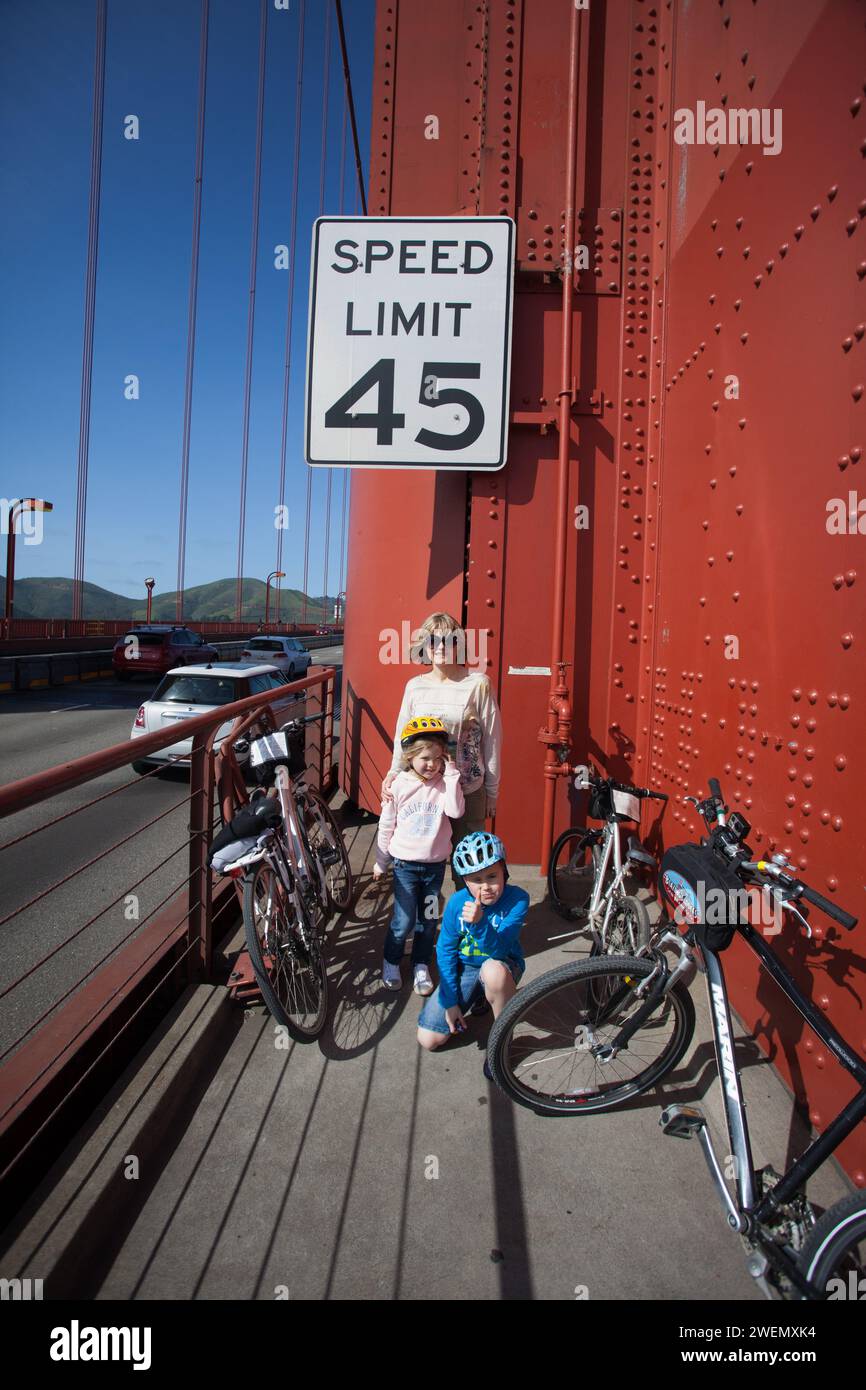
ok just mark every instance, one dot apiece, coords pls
pixel 251 313
pixel 291 293
pixel 89 308
pixel 348 82
pixel 327 66
pixel 191 315
pixel 325 615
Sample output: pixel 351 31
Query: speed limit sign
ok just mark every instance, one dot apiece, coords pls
pixel 409 342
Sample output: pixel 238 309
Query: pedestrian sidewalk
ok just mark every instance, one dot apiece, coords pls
pixel 226 1166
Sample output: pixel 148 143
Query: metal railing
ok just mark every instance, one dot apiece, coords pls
pixel 84 1001
pixel 116 627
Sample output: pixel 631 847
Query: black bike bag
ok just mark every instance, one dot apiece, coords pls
pixel 703 892
pixel 251 821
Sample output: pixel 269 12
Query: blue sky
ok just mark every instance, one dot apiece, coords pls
pixel 152 55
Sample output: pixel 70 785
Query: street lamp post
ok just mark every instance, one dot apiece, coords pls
pixel 17 508
pixel 149 585
pixel 274 574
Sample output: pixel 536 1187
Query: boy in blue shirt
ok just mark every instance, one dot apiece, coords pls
pixel 478 951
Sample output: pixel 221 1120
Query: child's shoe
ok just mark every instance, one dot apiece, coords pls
pixel 423 983
pixel 391 977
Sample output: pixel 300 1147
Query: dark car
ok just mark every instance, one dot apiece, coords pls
pixel 151 649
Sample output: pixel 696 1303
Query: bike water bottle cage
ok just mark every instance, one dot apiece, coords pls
pixel 425 726
pixel 478 851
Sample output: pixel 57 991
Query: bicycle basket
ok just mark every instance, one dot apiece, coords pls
pixel 626 806
pixel 701 891
pixel 269 752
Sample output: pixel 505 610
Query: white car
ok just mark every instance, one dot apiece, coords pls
pixel 186 691
pixel 287 653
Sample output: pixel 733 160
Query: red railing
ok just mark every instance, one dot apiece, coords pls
pixel 116 627
pixel 66 1035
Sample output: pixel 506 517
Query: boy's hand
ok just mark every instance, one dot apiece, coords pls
pixel 378 871
pixel 386 787
pixel 455 1020
pixel 472 912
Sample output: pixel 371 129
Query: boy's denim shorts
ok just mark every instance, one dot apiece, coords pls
pixel 469 987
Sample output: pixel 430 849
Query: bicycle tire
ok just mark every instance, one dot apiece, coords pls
pixel 570 878
pixel 289 971
pixel 338 874
pixel 628 936
pixel 827 1250
pixel 676 1009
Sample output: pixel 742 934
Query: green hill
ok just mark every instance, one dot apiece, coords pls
pixel 52 598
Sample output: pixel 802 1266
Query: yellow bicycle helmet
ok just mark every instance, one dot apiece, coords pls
pixel 425 726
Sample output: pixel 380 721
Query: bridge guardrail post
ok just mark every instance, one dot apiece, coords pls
pixel 199 891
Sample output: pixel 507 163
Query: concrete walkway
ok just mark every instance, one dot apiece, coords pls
pixel 225 1167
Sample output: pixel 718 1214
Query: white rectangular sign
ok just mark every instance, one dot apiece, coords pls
pixel 409 342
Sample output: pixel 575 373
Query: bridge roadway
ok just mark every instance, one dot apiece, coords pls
pixel 357 1167
pixel 41 729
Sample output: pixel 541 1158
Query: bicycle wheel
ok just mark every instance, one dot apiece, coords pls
pixel 834 1253
pixel 571 873
pixel 326 842
pixel 286 955
pixel 628 928
pixel 543 1048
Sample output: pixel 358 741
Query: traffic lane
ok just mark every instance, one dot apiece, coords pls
pixel 51 862
pixel 40 729
pixel 107 890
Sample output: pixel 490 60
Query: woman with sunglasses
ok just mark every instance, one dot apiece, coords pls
pixel 464 700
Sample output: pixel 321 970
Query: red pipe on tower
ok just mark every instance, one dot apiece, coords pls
pixel 558 730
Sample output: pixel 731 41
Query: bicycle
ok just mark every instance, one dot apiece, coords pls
pixel 589 1036
pixel 290 854
pixel 586 874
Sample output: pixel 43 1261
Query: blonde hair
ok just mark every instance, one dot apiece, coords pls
pixel 420 746
pixel 440 624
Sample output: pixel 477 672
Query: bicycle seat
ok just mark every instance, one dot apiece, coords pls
pixel 638 852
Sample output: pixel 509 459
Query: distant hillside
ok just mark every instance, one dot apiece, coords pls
pixel 52 598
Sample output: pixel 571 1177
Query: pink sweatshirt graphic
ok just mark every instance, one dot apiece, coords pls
pixel 415 825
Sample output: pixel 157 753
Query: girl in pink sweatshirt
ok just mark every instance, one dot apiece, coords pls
pixel 415 833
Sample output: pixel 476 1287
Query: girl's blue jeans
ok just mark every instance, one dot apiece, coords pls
pixel 416 908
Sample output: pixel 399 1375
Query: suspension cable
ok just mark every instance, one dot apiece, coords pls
pixel 89 309
pixel 296 164
pixel 327 67
pixel 192 311
pixel 251 312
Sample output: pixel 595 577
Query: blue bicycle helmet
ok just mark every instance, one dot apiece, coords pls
pixel 478 851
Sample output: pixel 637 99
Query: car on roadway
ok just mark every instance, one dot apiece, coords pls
pixel 152 649
pixel 287 653
pixel 190 690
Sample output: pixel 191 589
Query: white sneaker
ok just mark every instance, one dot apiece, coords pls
pixel 391 977
pixel 423 983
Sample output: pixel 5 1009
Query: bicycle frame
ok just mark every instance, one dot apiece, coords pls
pixel 604 899
pixel 821 1148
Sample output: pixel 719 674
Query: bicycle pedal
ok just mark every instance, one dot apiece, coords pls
pixel 682 1121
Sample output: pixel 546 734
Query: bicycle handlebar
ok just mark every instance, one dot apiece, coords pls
pixel 715 788
pixel 843 918
pixel 627 787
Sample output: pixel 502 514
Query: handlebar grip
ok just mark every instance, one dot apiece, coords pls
pixel 658 796
pixel 715 788
pixel 843 918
